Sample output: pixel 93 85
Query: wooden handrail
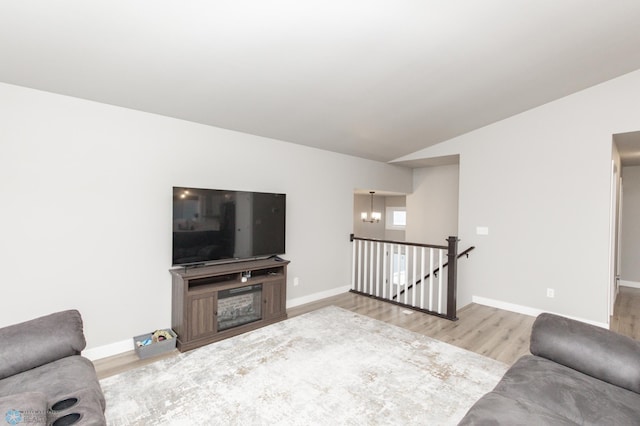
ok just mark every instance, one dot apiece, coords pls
pixel 404 243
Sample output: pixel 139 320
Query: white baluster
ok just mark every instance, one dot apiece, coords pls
pixel 431 279
pixel 353 265
pixel 391 269
pixel 406 275
pixel 384 270
pixel 422 283
pixel 359 265
pixel 371 263
pixel 440 274
pixel 364 268
pixel 414 280
pixel 378 245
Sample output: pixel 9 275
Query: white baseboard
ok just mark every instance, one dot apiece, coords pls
pixel 317 296
pixel 526 310
pixel 123 346
pixel 111 349
pixel 632 284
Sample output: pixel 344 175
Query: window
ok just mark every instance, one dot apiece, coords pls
pixel 396 218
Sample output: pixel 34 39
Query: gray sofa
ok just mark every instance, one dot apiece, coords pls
pixel 43 378
pixel 578 374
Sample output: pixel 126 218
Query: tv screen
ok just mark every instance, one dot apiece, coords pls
pixel 212 225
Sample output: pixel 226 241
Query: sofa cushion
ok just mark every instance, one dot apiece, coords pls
pixel 495 409
pixel 39 341
pixel 58 380
pixel 579 398
pixel 595 351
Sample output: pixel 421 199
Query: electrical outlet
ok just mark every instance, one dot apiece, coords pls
pixel 551 293
pixel 482 230
pixel 296 281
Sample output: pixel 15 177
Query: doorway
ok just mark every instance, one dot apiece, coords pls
pixel 385 204
pixel 625 213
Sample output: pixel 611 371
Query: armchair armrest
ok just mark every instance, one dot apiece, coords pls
pixel 592 350
pixel 28 408
pixel 40 341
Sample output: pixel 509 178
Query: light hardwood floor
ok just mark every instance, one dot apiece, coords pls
pixel 626 313
pixel 491 332
pixel 497 334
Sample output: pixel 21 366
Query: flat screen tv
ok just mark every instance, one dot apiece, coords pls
pixel 213 225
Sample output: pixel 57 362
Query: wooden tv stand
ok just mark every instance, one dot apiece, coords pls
pixel 211 303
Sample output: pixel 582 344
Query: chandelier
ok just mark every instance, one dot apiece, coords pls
pixel 371 217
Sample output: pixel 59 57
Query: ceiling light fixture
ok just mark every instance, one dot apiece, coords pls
pixel 373 217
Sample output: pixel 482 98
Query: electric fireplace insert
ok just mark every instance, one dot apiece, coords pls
pixel 239 306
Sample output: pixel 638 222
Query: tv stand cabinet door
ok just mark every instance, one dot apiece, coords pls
pixel 274 297
pixel 201 311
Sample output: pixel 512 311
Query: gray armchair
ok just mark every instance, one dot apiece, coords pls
pixel 43 378
pixel 577 374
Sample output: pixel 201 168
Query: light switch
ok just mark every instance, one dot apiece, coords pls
pixel 482 230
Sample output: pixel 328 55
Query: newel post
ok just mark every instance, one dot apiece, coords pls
pixel 452 277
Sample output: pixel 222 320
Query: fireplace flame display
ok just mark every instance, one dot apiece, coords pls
pixel 239 306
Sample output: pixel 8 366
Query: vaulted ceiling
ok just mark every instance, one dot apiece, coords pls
pixel 377 79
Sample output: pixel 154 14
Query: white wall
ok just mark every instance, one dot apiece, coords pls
pixel 631 225
pixel 86 192
pixel 540 181
pixel 432 208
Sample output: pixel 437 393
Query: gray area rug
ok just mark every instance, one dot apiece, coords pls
pixel 329 366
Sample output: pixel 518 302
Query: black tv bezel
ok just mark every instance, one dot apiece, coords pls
pixel 229 259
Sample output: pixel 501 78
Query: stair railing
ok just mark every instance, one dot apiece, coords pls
pixel 405 274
